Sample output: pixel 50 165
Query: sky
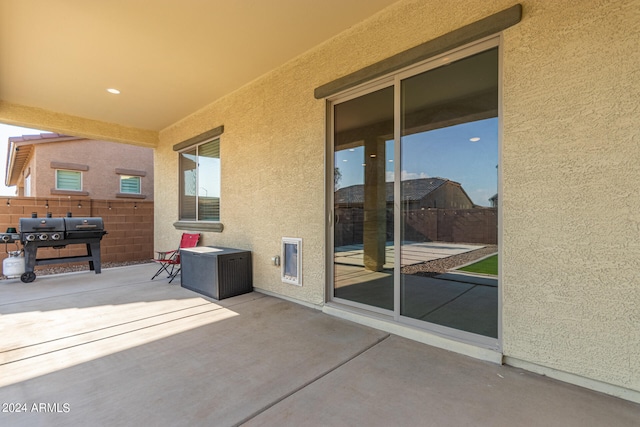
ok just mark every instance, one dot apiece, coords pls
pixel 7 131
pixel 444 153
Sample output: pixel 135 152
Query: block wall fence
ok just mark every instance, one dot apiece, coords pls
pixel 129 225
pixel 424 225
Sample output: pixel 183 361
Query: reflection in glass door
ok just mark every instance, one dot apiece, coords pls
pixel 449 190
pixel 363 200
pixel 437 185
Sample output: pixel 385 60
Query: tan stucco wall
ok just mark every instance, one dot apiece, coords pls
pixel 571 204
pixel 272 177
pixel 102 157
pixel 571 210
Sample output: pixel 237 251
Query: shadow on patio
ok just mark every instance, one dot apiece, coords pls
pixel 117 349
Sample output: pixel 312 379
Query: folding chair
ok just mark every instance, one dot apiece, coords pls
pixel 170 260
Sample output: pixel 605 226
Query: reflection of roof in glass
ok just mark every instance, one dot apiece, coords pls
pixel 412 190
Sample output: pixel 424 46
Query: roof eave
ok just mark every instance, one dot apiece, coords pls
pixel 25 144
pixel 16 164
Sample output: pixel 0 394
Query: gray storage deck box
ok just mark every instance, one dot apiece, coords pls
pixel 216 272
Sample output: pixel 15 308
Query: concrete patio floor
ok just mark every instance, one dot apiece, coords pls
pixel 117 349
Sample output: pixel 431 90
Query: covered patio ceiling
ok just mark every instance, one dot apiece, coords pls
pixel 167 58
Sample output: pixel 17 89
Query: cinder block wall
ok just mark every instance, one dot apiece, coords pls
pixel 129 225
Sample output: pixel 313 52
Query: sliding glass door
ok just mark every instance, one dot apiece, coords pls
pixel 363 199
pixel 415 195
pixel 449 146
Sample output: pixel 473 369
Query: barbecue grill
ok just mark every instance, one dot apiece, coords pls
pixel 41 229
pixel 35 233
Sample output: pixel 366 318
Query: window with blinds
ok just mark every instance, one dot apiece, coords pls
pixel 130 184
pixel 200 182
pixel 68 180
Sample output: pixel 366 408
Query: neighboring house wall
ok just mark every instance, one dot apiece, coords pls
pixel 104 159
pixel 416 193
pixel 448 196
pixel 569 168
pixel 433 210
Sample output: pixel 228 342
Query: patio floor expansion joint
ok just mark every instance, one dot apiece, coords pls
pixel 311 381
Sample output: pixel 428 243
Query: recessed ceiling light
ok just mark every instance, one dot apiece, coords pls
pixel 474 139
pixel 344 160
pixel 113 91
pixel 390 160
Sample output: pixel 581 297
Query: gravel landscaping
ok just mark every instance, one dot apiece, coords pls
pixel 442 265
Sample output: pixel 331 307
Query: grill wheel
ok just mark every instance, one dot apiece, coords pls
pixel 28 277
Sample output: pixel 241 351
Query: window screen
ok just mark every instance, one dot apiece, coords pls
pixel 200 182
pixel 130 184
pixel 68 180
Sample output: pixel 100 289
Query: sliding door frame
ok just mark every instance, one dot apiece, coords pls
pixel 395 79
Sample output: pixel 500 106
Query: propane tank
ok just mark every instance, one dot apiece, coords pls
pixel 13 265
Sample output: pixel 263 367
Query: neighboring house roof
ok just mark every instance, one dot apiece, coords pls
pixel 417 189
pixel 412 190
pixel 48 137
pixel 19 150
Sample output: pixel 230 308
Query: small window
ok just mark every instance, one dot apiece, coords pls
pixel 130 184
pixel 68 180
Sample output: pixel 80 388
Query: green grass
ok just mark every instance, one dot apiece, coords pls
pixel 486 266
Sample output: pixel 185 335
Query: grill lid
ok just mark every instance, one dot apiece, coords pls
pixel 81 228
pixel 83 224
pixel 36 225
pixel 44 229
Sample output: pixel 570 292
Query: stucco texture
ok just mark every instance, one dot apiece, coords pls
pixel 570 161
pixel 571 205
